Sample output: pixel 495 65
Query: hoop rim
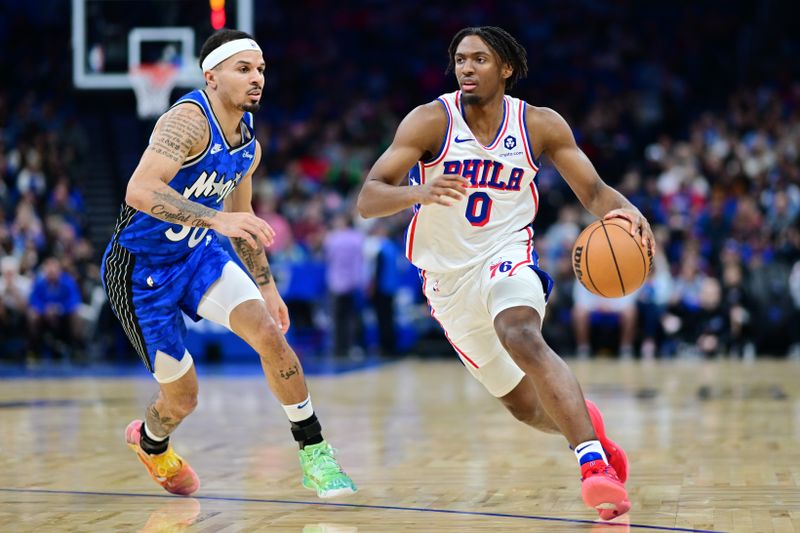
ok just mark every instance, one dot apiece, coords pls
pixel 152 84
pixel 158 74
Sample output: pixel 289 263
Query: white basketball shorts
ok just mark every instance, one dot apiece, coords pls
pixel 466 302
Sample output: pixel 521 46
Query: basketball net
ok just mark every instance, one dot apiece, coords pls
pixel 152 83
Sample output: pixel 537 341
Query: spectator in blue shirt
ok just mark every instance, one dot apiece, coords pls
pixel 53 314
pixel 383 287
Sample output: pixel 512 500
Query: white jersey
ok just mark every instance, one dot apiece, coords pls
pixel 501 201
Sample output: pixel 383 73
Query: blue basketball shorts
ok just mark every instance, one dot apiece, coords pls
pixel 149 299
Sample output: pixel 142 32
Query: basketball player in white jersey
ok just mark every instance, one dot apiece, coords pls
pixel 473 156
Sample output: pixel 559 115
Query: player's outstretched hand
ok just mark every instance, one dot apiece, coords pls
pixel 245 226
pixel 444 190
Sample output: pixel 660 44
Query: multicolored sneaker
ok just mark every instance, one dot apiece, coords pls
pixel 322 473
pixel 616 455
pixel 167 469
pixel 602 490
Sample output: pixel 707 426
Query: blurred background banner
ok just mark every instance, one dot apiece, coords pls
pixel 692 110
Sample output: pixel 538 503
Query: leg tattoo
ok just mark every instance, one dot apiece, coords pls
pixel 160 425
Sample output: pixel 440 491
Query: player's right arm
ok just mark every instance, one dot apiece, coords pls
pixel 180 132
pixel 419 135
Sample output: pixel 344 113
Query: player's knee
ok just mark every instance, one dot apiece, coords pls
pixel 523 341
pixel 269 337
pixel 526 414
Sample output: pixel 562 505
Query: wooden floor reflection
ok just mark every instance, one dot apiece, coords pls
pixel 713 447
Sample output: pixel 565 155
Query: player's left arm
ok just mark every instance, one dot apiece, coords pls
pixel 255 259
pixel 553 138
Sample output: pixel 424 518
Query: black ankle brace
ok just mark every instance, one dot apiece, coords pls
pixel 150 446
pixel 308 431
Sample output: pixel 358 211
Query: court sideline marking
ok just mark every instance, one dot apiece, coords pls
pixel 360 506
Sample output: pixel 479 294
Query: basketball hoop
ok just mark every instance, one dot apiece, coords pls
pixel 152 83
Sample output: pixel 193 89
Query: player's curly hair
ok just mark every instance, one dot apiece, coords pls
pixel 503 44
pixel 218 38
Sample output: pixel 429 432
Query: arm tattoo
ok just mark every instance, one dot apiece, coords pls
pixel 178 132
pixel 254 260
pixel 263 276
pixel 160 425
pixel 173 207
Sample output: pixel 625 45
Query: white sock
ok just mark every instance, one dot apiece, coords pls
pixel 591 450
pixel 299 411
pixel 151 436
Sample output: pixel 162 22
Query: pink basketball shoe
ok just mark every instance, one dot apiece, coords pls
pixel 616 455
pixel 602 490
pixel 167 469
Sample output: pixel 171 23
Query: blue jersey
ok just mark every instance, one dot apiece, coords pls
pixel 207 178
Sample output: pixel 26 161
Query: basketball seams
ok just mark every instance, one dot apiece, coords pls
pixel 586 263
pixel 614 257
pixel 645 270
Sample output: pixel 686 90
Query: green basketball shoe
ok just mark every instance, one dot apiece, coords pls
pixel 322 473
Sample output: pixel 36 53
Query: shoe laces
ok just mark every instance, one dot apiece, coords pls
pixel 323 463
pixel 599 467
pixel 167 464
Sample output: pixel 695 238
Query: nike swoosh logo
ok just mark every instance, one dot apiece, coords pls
pixel 462 140
pixel 579 450
pixel 216 148
pixel 303 404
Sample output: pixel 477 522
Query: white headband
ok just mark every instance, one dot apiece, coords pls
pixel 223 52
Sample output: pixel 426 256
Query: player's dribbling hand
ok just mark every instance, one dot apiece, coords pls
pixel 638 223
pixel 245 226
pixel 443 190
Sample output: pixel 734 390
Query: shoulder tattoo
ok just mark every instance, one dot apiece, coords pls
pixel 179 130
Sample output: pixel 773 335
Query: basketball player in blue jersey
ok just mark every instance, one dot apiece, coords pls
pixel 473 155
pixel 164 260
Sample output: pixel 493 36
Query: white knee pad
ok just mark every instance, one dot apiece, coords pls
pixel 169 369
pixel 232 288
pixel 499 376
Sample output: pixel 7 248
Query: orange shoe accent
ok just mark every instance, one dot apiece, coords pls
pixel 168 469
pixel 603 491
pixel 615 454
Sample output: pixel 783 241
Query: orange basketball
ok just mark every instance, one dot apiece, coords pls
pixel 608 261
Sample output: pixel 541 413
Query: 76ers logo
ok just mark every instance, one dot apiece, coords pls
pixel 503 267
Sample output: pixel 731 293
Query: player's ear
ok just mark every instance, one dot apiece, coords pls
pixel 506 71
pixel 211 78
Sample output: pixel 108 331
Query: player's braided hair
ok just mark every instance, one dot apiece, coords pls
pixel 503 44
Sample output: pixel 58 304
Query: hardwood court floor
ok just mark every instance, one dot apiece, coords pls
pixel 713 446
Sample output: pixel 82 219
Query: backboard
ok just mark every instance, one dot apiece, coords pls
pixel 111 37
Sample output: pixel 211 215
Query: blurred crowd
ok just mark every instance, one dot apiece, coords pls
pixel 724 203
pixel 700 129
pixel 49 272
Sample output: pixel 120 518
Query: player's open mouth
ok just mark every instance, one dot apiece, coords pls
pixel 468 86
